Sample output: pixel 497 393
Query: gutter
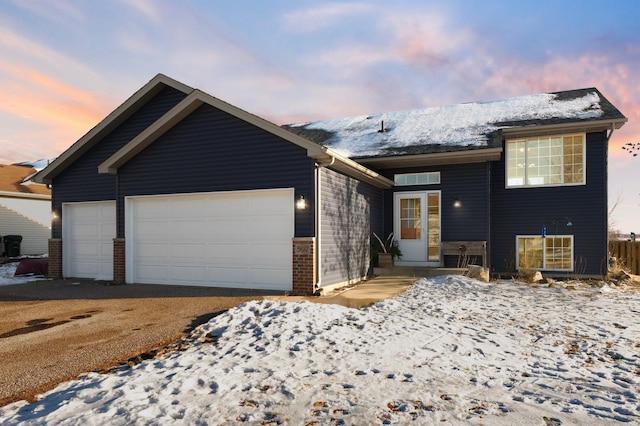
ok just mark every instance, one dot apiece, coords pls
pixel 26 195
pixel 548 129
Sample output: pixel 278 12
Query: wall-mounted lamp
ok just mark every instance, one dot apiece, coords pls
pixel 54 215
pixel 301 203
pixel 456 202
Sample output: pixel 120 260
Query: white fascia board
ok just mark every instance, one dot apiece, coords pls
pixel 24 195
pixel 554 129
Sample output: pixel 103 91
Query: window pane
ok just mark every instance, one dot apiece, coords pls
pixel 573 159
pixel 516 163
pixel 404 179
pixel 545 161
pixel 410 218
pixel 530 252
pixel 558 253
pixel 433 218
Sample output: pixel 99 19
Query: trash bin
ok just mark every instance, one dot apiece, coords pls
pixel 12 245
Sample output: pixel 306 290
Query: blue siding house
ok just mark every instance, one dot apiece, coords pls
pixel 178 187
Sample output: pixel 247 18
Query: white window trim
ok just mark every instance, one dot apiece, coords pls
pixel 544 248
pixel 525 185
pixel 396 176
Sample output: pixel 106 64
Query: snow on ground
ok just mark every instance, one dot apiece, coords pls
pixel 450 350
pixel 7 277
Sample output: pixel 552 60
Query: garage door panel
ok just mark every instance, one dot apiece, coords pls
pixel 268 278
pixel 238 239
pixel 108 230
pixel 151 272
pixel 154 207
pixel 267 228
pixel 87 248
pixel 227 276
pixel 187 206
pixel 151 230
pixel 192 251
pixel 228 206
pixel 188 274
pixel 273 254
pixel 227 254
pixel 186 230
pixel 88 232
pixel 156 251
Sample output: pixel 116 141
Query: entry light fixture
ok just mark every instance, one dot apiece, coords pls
pixel 301 203
pixel 456 202
pixel 54 215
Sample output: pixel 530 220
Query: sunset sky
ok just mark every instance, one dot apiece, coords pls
pixel 64 65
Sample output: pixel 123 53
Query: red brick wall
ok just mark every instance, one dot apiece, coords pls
pixel 304 266
pixel 55 258
pixel 119 261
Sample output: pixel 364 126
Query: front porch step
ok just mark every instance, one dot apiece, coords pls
pixel 417 272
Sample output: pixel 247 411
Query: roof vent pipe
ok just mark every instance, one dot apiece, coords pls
pixel 382 129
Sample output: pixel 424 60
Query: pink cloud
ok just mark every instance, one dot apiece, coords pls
pixel 45 110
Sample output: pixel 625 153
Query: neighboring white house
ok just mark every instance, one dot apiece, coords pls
pixel 25 209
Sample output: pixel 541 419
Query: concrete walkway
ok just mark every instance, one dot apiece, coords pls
pixel 362 294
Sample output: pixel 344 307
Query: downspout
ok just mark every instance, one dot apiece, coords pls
pixel 606 190
pixel 318 194
pixel 488 248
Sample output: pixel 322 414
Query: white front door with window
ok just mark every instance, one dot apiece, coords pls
pixel 417 227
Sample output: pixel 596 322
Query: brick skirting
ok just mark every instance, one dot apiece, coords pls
pixel 304 266
pixel 119 262
pixel 55 258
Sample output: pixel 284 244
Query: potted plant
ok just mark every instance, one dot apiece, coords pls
pixel 385 251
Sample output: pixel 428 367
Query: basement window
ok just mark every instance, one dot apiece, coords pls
pixel 551 253
pixel 426 178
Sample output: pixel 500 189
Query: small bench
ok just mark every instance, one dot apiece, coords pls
pixel 463 248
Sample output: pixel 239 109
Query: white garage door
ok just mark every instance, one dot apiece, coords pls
pixel 88 233
pixel 232 239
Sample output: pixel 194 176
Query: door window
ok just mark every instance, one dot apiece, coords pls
pixel 410 218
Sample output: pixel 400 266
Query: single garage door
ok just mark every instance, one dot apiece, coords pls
pixel 88 233
pixel 231 239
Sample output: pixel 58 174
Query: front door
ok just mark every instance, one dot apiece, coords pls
pixel 417 227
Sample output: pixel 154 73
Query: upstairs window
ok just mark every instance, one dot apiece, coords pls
pixel 426 178
pixel 546 161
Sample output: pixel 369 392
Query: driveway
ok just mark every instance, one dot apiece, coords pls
pixel 52 331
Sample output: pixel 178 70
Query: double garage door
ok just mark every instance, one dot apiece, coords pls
pixel 231 239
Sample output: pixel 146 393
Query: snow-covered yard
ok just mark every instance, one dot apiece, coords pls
pixel 450 350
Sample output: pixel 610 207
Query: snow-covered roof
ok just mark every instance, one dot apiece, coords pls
pixel 465 126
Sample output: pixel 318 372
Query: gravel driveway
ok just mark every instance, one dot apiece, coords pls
pixel 51 331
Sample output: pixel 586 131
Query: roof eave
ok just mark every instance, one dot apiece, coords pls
pixel 335 161
pixel 108 124
pixel 26 195
pixel 551 129
pixel 438 158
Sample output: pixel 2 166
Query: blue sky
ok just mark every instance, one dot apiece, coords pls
pixel 67 64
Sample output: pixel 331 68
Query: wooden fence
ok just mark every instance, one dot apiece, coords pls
pixel 627 253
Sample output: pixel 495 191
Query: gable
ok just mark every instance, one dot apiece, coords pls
pixel 198 98
pixel 157 87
